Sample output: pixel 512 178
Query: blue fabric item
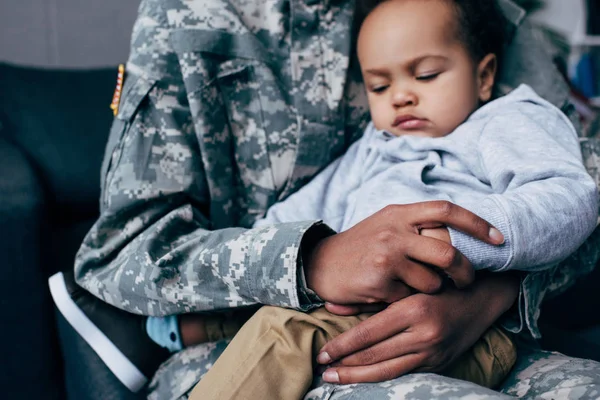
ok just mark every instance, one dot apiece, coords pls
pixel 164 331
pixel 585 79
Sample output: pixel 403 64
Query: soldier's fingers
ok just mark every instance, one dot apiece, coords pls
pixel 433 213
pixel 399 345
pixel 373 330
pixel 379 372
pixel 416 275
pixel 346 310
pixel 441 255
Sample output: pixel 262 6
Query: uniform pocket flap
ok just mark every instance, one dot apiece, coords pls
pixel 242 45
pixel 135 89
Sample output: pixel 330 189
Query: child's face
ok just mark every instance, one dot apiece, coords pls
pixel 420 79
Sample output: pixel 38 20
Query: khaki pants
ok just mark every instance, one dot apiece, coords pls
pixel 273 356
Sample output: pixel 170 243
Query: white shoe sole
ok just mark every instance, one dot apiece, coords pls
pixel 110 354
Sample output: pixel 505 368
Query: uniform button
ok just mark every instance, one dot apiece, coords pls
pixel 173 337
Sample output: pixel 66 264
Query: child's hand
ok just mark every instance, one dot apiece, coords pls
pixel 437 233
pixel 192 328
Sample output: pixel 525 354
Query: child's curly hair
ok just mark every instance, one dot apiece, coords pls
pixel 481 23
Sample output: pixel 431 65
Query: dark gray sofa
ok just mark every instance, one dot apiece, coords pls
pixel 53 128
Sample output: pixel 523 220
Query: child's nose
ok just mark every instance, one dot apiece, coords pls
pixel 403 97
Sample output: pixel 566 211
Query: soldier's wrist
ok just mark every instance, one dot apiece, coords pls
pixel 311 241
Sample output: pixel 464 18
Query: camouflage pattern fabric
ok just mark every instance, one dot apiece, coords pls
pixel 229 106
pixel 590 149
pixel 537 375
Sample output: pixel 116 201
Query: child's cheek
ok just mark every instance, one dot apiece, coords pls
pixel 378 115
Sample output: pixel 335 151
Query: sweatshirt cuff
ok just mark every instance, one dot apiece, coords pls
pixel 480 254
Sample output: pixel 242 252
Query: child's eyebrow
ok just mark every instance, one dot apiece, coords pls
pixel 378 72
pixel 418 60
pixel 410 64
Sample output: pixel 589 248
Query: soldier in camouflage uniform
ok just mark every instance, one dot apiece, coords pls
pixel 229 106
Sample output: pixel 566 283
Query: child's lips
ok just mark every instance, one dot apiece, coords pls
pixel 409 122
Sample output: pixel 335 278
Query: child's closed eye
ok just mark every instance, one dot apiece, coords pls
pixel 427 77
pixel 379 89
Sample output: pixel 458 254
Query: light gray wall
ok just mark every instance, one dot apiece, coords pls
pixel 66 33
pixel 92 33
pixel 562 15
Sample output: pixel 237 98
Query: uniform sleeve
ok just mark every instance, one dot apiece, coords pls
pixel 326 196
pixel 544 201
pixel 153 250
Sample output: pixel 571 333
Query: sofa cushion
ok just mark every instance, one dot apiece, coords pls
pixel 60 120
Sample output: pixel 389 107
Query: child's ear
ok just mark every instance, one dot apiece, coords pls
pixel 486 76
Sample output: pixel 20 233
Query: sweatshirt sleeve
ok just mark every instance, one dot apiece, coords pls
pixel 544 201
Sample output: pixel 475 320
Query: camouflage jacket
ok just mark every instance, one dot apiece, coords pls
pixel 229 106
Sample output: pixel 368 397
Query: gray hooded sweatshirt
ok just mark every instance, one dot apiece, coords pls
pixel 515 162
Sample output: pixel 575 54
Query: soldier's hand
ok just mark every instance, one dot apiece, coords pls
pixel 421 333
pixel 382 258
pixel 354 309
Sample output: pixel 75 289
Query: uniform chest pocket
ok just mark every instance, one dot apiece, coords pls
pixel 248 130
pixel 243 106
pixel 135 91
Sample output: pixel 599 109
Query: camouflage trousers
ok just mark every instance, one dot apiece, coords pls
pixel 537 375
